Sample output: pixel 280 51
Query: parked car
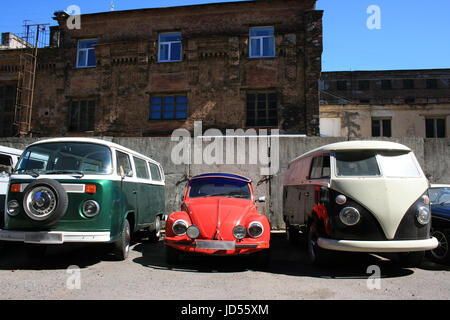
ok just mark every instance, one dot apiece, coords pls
pixel 359 196
pixel 440 221
pixel 218 216
pixel 8 160
pixel 82 190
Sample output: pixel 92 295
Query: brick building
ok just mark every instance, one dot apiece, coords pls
pixel 146 72
pixel 391 103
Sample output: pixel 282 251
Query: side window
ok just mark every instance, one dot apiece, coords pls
pixel 141 168
pixel 123 161
pixel 5 163
pixel 154 170
pixel 320 167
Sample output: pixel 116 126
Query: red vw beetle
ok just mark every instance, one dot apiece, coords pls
pixel 218 217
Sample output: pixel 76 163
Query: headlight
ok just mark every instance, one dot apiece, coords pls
pixel 255 229
pixel 13 208
pixel 239 232
pixel 341 199
pixel 90 208
pixel 179 227
pixel 349 216
pixel 423 215
pixel 193 232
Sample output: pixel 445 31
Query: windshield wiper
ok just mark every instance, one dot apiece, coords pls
pixel 66 171
pixel 230 193
pixel 34 174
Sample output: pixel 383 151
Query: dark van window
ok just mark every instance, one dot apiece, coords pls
pixel 362 163
pixel 141 168
pixel 123 161
pixel 320 167
pixel 154 170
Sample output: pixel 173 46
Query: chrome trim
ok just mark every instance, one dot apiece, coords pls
pixel 178 222
pixel 54 237
pixel 258 223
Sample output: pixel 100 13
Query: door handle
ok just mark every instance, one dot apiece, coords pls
pixel 306 194
pixel 134 192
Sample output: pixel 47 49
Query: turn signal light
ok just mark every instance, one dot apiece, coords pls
pixel 90 188
pixel 15 188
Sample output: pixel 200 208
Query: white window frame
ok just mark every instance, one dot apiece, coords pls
pixel 169 43
pixel 87 54
pixel 261 42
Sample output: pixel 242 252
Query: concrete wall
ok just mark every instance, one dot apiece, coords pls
pixel 433 155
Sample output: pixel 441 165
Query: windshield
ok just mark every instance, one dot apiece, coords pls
pixel 68 157
pixel 219 187
pixel 439 196
pixel 391 164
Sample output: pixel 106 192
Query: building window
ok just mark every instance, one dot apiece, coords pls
pixel 7 101
pixel 408 84
pixel 364 85
pixel 431 83
pixel 381 128
pixel 168 107
pixel 342 85
pixel 410 100
pixel 262 42
pixel 82 115
pixel 435 127
pixel 86 53
pixel 386 84
pixel 169 47
pixel 262 109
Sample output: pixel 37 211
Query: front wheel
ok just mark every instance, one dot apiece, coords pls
pixel 122 246
pixel 316 255
pixel 440 254
pixel 155 234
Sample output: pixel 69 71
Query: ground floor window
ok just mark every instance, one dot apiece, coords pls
pixel 381 128
pixel 82 115
pixel 168 107
pixel 7 100
pixel 262 109
pixel 435 128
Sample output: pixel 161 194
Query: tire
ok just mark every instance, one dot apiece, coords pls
pixel 316 255
pixel 155 234
pixel 56 202
pixel 440 254
pixel 122 246
pixel 35 251
pixel 172 255
pixel 411 259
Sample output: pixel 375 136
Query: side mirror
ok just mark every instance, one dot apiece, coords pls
pixel 261 199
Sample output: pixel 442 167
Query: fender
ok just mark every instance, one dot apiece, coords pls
pixel 174 217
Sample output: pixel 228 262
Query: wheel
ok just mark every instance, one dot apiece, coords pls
pixel 316 255
pixel 441 253
pixel 411 259
pixel 122 246
pixel 35 251
pixel 172 255
pixel 155 234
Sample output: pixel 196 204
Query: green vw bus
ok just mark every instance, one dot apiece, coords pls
pixel 83 190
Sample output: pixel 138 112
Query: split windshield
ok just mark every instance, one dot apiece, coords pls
pixel 366 163
pixel 66 158
pixel 219 187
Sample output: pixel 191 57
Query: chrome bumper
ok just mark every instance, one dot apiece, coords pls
pixel 53 237
pixel 378 246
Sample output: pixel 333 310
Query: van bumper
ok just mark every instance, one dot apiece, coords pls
pixel 378 246
pixel 53 237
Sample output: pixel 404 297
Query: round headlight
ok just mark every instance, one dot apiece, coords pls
pixel 341 199
pixel 423 215
pixel 90 208
pixel 193 232
pixel 179 227
pixel 239 232
pixel 13 208
pixel 255 229
pixel 349 216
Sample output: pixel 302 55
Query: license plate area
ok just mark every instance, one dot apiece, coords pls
pixel 44 238
pixel 215 245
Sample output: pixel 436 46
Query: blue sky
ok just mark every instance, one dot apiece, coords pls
pixel 414 34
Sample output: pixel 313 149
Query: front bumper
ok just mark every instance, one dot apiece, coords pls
pixel 54 237
pixel 217 247
pixel 378 246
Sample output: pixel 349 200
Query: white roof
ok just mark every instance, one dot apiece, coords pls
pixel 9 150
pixel 357 145
pixel 92 140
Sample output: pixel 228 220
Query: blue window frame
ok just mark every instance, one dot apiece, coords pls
pixel 169 47
pixel 171 107
pixel 262 42
pixel 86 53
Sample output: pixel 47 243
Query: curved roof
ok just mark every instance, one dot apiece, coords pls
pixel 357 145
pixel 221 175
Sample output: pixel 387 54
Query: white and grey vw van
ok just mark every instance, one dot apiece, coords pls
pixel 359 196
